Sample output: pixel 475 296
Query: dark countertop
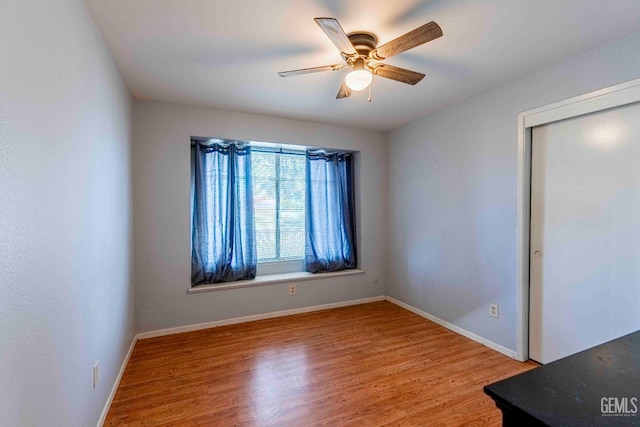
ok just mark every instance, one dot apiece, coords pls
pixel 570 391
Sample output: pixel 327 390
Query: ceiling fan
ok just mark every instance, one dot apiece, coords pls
pixel 360 52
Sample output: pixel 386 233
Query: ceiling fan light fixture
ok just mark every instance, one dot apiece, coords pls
pixel 358 79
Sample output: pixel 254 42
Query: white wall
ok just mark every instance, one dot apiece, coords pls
pixel 162 224
pixel 66 293
pixel 452 193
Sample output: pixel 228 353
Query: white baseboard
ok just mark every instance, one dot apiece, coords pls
pixel 216 323
pixel 456 329
pixel 188 328
pixel 114 389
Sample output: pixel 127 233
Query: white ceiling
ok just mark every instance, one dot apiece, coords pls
pixel 225 54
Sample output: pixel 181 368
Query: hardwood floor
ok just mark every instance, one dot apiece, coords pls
pixel 366 365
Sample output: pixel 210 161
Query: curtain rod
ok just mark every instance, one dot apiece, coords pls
pixel 269 147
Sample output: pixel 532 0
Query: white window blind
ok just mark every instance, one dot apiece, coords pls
pixel 279 203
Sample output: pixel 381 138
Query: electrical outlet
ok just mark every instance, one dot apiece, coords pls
pixel 494 310
pixel 96 372
pixel 375 279
pixel 292 289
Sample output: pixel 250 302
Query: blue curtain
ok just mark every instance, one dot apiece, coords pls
pixel 223 234
pixel 330 217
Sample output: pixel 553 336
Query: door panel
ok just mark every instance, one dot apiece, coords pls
pixel 585 232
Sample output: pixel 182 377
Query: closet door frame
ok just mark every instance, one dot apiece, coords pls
pixel 610 97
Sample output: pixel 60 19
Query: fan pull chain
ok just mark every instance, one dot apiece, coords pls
pixel 370 90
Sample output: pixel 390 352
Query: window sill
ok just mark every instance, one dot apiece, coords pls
pixel 272 279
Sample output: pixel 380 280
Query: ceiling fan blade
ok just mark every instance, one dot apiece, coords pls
pixel 408 41
pixel 312 70
pixel 398 74
pixel 334 31
pixel 344 91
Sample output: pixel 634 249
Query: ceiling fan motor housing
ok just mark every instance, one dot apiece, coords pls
pixel 363 42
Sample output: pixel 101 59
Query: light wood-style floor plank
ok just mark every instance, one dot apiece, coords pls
pixel 367 365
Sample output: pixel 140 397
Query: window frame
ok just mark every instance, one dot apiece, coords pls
pixel 277 271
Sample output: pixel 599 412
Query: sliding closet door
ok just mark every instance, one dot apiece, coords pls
pixel 585 232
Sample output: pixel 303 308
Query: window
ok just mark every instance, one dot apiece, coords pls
pixel 278 203
pixel 260 208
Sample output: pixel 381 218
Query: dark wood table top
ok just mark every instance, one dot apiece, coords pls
pixel 590 388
